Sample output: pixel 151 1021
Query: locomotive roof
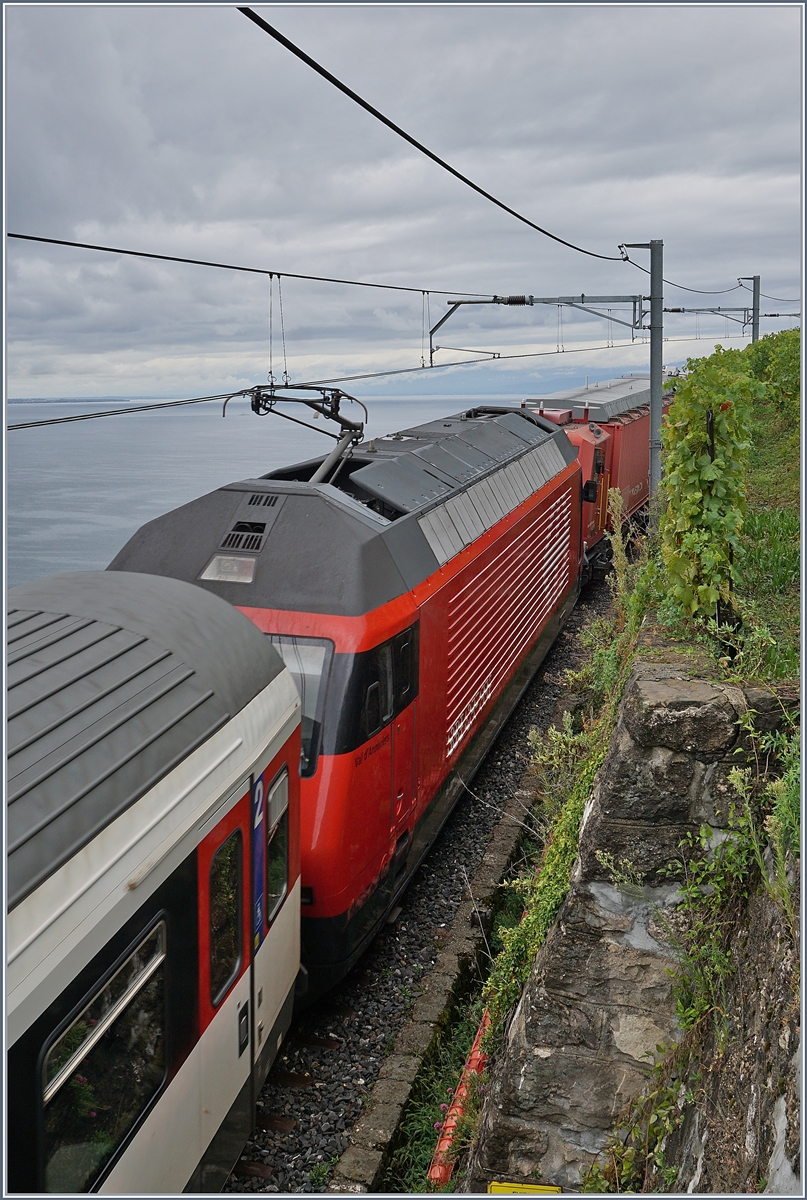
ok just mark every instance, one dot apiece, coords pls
pixel 400 507
pixel 112 681
pixel 603 401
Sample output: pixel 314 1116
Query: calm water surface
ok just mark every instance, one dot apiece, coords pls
pixel 76 493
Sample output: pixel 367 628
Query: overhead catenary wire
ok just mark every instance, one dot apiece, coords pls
pixel 623 256
pixel 470 362
pixel 337 83
pixel 681 287
pixel 389 287
pixel 130 408
pixel 781 299
pixel 286 376
pixel 114 412
pixel 292 275
pixel 202 262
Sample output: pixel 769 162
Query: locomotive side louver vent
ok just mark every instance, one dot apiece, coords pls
pixel 499 613
pixel 264 499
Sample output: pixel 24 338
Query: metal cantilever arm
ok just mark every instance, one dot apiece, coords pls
pixel 433 331
pixel 605 316
pixel 569 301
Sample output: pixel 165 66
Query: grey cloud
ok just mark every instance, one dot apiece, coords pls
pixel 184 129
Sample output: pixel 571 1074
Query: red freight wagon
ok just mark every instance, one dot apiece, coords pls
pixel 610 425
pixel 412 598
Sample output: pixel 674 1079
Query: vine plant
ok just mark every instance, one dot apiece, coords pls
pixel 706 440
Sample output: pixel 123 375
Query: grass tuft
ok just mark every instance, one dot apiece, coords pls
pixel 425 1112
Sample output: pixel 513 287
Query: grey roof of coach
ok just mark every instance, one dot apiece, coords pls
pixel 603 401
pixel 112 681
pixel 322 548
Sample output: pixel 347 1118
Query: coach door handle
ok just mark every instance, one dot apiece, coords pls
pixel 243 1028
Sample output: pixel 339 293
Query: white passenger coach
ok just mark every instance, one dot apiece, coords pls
pixel 153 882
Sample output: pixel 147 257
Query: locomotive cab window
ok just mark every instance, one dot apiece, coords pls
pixel 101 1072
pixel 277 844
pixel 405 649
pixel 372 709
pixel 225 916
pixel 378 696
pixel 309 661
pixel 370 688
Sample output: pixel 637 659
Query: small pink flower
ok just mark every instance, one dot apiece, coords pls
pixel 450 1091
pixel 437 1125
pixel 93 1114
pixel 444 1107
pixel 81 1078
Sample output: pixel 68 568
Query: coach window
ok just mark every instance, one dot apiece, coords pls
pixel 277 844
pixel 225 916
pixel 100 1073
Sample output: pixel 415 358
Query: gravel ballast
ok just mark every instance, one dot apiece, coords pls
pixel 324 1075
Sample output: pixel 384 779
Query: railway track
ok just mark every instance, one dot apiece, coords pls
pixel 320 1083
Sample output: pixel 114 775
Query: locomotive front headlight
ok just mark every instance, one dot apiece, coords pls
pixel 229 568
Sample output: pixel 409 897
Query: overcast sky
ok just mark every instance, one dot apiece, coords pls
pixel 186 130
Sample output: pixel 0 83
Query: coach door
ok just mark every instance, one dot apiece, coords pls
pixel 224 988
pixel 405 674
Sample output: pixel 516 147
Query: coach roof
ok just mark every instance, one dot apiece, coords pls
pixel 113 679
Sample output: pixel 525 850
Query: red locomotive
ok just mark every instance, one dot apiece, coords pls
pixel 412 596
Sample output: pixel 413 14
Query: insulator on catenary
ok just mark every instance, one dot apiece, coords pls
pixel 512 299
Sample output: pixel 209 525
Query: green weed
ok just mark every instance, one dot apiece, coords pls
pixel 320 1172
pixel 429 1101
pixel 779 821
pixel 771 551
pixel 623 873
pixel 716 876
pixel 635 1152
pixel 784 820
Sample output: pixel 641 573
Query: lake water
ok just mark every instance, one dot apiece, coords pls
pixel 76 493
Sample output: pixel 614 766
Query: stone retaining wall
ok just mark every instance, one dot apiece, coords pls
pixel 598 1001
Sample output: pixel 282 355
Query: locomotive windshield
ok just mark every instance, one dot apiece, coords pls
pixel 309 661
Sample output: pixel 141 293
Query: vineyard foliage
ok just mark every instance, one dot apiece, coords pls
pixel 706 439
pixel 775 359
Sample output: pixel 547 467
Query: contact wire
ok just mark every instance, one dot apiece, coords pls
pixel 337 83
